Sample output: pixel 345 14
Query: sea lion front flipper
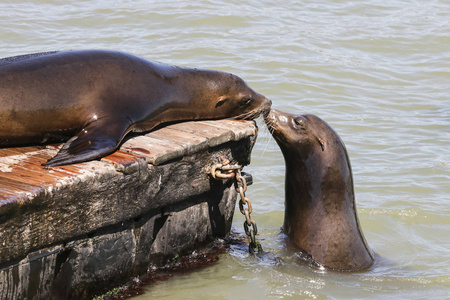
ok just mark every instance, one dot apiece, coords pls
pixel 96 140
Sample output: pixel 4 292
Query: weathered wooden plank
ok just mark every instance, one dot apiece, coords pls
pixel 152 197
pixel 190 142
pixel 21 168
pixel 214 135
pixel 18 186
pixel 124 162
pixel 240 130
pixel 156 151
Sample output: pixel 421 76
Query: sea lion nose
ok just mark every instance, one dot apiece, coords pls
pixel 268 105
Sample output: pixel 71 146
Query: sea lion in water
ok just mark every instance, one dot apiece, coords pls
pixel 320 214
pixel 93 98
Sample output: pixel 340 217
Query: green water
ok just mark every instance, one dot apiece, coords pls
pixel 378 72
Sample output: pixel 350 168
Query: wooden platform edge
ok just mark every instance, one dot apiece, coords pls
pixel 133 208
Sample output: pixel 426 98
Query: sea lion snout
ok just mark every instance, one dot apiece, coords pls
pixel 271 119
pixel 266 106
pixel 286 128
pixel 257 105
pixel 276 119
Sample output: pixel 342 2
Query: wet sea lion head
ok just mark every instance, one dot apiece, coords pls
pixel 229 96
pixel 299 135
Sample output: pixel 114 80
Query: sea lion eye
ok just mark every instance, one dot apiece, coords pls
pixel 299 122
pixel 246 101
pixel 221 100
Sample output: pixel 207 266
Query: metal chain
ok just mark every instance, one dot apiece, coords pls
pixel 224 171
pixel 250 228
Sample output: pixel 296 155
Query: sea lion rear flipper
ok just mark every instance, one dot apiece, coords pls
pixel 95 140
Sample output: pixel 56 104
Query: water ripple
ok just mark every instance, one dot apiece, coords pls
pixel 378 72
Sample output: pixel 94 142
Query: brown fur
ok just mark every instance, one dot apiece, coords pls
pixel 93 98
pixel 320 213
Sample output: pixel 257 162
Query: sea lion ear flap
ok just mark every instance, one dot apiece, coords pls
pixel 221 100
pixel 322 144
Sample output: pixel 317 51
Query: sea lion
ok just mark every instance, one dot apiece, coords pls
pixel 320 214
pixel 93 98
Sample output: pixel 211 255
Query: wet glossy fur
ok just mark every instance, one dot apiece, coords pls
pixel 320 212
pixel 93 98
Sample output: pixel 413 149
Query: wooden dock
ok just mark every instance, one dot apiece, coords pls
pixel 72 232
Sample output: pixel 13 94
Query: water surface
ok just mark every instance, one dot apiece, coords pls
pixel 378 72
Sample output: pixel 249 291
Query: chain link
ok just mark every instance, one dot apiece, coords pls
pixel 225 171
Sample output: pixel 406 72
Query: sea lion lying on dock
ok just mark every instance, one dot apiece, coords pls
pixel 93 98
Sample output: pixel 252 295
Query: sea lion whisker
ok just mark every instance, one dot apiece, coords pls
pixel 255 113
pixel 241 116
pixel 270 127
pixel 264 134
pixel 270 124
pixel 246 116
